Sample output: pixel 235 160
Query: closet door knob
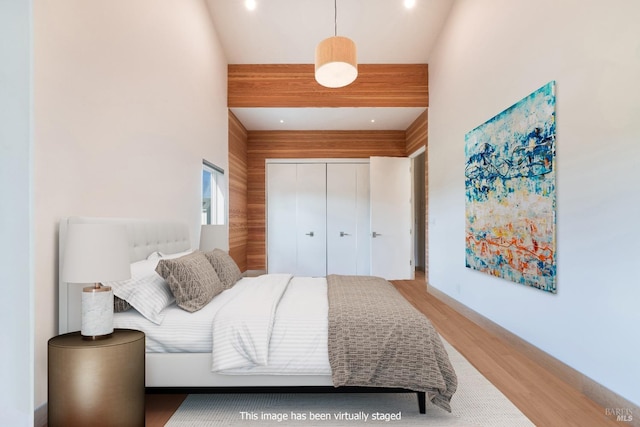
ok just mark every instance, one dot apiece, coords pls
pixel 342 234
pixel 310 234
pixel 374 234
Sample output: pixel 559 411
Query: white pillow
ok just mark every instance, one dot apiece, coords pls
pixel 175 255
pixel 146 291
pixel 154 256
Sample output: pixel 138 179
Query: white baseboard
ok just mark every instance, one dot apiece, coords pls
pixel 590 388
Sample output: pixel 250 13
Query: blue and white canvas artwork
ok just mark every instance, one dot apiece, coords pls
pixel 511 192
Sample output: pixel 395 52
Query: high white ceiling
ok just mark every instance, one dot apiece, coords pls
pixel 287 32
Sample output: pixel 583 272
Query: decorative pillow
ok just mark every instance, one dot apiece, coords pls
pixel 225 267
pixel 120 305
pixel 146 291
pixel 192 280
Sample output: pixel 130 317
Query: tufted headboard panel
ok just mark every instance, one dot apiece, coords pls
pixel 145 237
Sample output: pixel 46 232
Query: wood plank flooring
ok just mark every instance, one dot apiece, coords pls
pixel 540 395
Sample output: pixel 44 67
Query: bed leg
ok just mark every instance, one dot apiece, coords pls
pixel 422 401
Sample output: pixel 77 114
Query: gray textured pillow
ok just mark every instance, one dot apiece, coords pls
pixel 192 280
pixel 225 267
pixel 120 305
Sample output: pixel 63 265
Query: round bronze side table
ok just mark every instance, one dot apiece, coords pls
pixel 96 383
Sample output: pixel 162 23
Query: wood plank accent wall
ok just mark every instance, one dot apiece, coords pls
pixel 418 137
pixel 294 85
pixel 238 231
pixel 417 134
pixel 264 145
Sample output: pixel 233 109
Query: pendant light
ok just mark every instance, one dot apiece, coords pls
pixel 336 64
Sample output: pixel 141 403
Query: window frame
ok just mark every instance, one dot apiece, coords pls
pixel 216 213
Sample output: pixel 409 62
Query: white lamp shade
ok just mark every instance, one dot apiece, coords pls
pixel 336 65
pixel 213 236
pixel 96 253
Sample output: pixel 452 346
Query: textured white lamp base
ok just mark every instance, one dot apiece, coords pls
pixel 97 312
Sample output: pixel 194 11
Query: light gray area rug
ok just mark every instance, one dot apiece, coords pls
pixel 476 403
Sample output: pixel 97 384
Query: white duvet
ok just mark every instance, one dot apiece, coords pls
pixel 271 324
pixel 249 337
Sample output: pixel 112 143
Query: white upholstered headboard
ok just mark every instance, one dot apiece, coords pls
pixel 145 237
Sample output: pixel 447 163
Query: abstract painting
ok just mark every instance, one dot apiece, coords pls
pixel 510 192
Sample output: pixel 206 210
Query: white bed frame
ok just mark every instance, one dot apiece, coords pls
pixel 171 370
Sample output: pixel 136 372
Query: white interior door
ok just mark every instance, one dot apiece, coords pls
pixel 391 234
pixel 281 218
pixel 363 225
pixel 311 213
pixel 342 233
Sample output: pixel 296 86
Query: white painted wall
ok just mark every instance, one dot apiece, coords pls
pixel 129 98
pixel 16 311
pixel 491 54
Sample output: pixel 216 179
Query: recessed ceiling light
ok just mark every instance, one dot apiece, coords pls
pixel 281 121
pixel 409 4
pixel 373 120
pixel 250 4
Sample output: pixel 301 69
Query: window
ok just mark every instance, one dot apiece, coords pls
pixel 213 211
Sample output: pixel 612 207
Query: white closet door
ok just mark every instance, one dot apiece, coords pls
pixel 391 234
pixel 342 207
pixel 296 219
pixel 311 227
pixel 348 218
pixel 363 226
pixel 281 218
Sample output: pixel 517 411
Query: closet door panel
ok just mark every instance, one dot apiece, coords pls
pixel 363 221
pixel 342 206
pixel 318 218
pixel 311 227
pixel 281 218
pixel 391 233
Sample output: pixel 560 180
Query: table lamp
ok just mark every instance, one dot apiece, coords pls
pixel 213 236
pixel 96 253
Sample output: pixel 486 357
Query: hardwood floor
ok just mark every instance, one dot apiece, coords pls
pixel 160 407
pixel 541 396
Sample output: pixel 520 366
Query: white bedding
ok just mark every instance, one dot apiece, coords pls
pixel 242 327
pixel 297 344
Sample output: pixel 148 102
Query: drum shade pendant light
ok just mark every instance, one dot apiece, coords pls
pixel 336 64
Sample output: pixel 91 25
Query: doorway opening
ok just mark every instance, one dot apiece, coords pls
pixel 420 212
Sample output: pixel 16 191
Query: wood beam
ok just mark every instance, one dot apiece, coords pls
pixel 294 85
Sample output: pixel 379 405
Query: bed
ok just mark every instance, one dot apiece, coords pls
pixel 326 348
